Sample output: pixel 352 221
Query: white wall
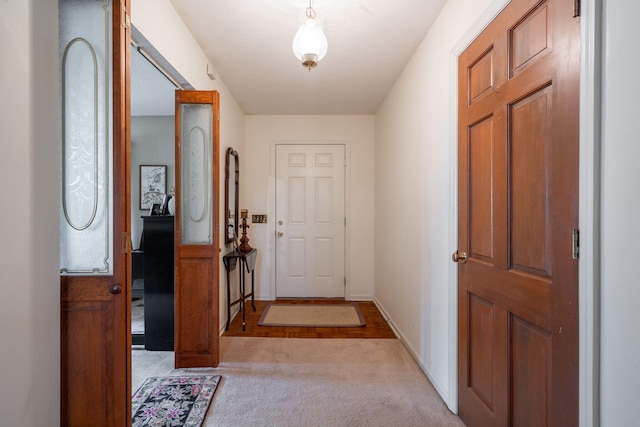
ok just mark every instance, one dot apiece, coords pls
pixel 620 289
pixel 29 184
pixel 152 143
pixel 414 200
pixel 256 184
pixel 161 26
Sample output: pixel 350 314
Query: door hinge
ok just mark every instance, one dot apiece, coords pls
pixel 345 221
pixel 345 281
pixel 575 243
pixel 127 244
pixel 576 8
pixel 126 19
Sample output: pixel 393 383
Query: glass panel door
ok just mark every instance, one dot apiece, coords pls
pixel 197 229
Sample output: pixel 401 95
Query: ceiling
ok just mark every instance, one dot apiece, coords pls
pixel 249 44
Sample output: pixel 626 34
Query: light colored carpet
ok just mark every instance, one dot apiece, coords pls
pixel 312 315
pixel 312 382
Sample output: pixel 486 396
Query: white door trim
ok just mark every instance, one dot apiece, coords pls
pixel 272 207
pixel 589 213
pixel 589 207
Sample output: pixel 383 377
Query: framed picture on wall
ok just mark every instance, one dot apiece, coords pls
pixel 153 185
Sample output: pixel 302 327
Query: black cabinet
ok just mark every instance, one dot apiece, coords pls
pixel 158 282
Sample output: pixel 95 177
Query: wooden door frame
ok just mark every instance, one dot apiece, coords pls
pixel 121 30
pixel 272 210
pixel 588 212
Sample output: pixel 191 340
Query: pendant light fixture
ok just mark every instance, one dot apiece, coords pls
pixel 310 44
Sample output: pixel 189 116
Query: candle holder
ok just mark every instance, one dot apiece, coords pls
pixel 244 240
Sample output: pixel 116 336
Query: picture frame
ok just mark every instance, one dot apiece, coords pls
pixel 153 185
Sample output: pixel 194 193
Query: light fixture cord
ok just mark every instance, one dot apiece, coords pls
pixel 311 14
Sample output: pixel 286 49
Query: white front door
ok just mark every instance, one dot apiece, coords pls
pixel 310 221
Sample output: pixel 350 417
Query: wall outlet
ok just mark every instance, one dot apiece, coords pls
pixel 259 219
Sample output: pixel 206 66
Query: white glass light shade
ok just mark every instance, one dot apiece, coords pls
pixel 310 42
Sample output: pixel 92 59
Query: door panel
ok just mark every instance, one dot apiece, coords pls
pixel 196 238
pixel 529 146
pixel 480 174
pixel 94 54
pixel 92 378
pixel 481 351
pixel 518 187
pixel 531 373
pixel 310 216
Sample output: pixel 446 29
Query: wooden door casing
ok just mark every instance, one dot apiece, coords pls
pixel 197 303
pixel 518 204
pixel 95 325
pixel 121 30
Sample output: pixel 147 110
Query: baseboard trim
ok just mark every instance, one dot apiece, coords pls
pixel 414 354
pixel 359 298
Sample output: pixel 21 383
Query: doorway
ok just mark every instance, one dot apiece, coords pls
pixel 152 160
pixel 152 167
pixel 310 221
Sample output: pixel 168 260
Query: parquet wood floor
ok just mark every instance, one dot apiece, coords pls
pixel 376 326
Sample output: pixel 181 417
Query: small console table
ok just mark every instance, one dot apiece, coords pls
pixel 248 261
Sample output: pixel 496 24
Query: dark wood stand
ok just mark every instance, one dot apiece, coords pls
pixel 248 261
pixel 158 282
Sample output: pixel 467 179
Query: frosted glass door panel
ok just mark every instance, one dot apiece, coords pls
pixel 196 174
pixel 85 218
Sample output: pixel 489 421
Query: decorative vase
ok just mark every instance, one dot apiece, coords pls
pixel 171 206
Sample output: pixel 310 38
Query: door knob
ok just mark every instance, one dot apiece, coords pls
pixel 460 257
pixel 280 234
pixel 115 289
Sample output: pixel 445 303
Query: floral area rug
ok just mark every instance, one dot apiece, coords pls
pixel 173 401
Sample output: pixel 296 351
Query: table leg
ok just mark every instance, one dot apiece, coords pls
pixel 241 305
pixel 228 302
pixel 244 324
pixel 253 292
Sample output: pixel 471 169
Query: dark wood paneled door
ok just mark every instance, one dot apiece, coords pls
pixel 197 303
pixel 518 208
pixel 95 249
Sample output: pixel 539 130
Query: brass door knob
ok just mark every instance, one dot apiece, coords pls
pixel 280 234
pixel 460 257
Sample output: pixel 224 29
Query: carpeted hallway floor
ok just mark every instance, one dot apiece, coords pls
pixel 312 382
